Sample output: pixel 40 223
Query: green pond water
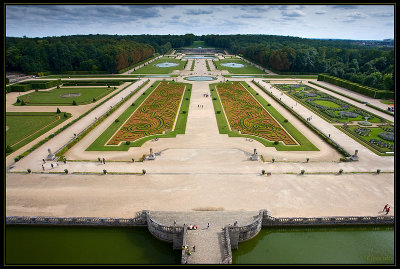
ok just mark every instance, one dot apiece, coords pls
pixel 322 245
pixel 121 245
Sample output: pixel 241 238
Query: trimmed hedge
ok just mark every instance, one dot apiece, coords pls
pixel 355 87
pixel 32 85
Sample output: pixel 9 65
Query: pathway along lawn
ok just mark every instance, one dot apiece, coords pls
pixel 303 143
pixel 24 127
pixel 65 96
pixel 180 126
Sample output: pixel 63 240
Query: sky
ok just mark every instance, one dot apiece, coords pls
pixel 357 22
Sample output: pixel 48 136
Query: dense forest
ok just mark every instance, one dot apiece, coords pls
pixel 92 53
pixel 369 66
pixel 373 67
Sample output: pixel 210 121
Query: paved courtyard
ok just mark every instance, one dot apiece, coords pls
pixel 200 170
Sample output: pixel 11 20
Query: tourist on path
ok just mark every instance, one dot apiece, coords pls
pixel 52 166
pixel 387 210
pixel 43 167
pixel 194 248
pixel 104 161
pixel 386 206
pixel 208 225
pixel 98 158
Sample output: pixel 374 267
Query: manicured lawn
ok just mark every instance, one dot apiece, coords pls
pixel 330 108
pixel 65 96
pixel 146 133
pixel 249 121
pixel 26 126
pixel 153 69
pixel 247 69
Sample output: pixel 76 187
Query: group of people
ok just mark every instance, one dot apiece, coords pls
pixel 101 160
pixel 51 164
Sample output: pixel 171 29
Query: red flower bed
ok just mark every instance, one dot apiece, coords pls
pixel 246 115
pixel 155 115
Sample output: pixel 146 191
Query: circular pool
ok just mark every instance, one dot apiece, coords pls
pixel 166 64
pixel 233 65
pixel 200 78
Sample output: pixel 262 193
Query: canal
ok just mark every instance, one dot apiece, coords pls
pixel 29 244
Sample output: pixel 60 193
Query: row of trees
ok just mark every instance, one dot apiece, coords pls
pixel 108 53
pixel 373 67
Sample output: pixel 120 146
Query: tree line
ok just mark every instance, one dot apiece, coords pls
pixel 108 53
pixel 373 67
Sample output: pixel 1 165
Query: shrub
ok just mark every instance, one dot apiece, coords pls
pixel 9 149
pixel 105 171
pixel 302 171
pixel 29 170
pixel 219 112
pixel 22 103
pixel 66 171
pixel 263 171
pixel 18 101
pixel 273 160
pixel 307 159
pixel 378 171
pixel 127 142
pixel 133 104
pixel 65 115
pixel 143 171
pixel 340 171
pixel 276 143
pixel 285 120
pixel 116 120
pixel 94 99
pixel 58 111
pixel 74 103
pixel 16 159
pixel 269 105
pixel 133 160
pixel 183 112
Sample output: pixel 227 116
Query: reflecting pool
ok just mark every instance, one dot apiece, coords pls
pixel 200 78
pixel 166 64
pixel 233 65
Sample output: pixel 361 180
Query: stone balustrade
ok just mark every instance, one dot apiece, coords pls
pixel 227 259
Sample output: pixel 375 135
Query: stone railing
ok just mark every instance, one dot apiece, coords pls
pixel 271 221
pixel 243 233
pixel 139 220
pixel 171 234
pixel 227 258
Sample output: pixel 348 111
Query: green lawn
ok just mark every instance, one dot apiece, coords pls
pixel 23 127
pixel 247 69
pixel 305 144
pixel 152 69
pixel 180 126
pixel 55 97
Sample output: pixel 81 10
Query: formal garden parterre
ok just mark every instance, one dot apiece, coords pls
pixel 152 68
pixel 246 69
pixel 374 132
pixel 249 115
pixel 161 111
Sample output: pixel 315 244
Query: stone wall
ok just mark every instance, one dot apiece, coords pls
pixel 227 258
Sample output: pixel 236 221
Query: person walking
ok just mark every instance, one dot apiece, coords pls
pixel 43 167
pixel 208 225
pixel 52 166
pixel 387 210
pixel 104 161
pixel 386 206
pixel 98 158
pixel 194 248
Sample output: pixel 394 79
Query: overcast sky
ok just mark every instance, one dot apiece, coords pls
pixel 361 22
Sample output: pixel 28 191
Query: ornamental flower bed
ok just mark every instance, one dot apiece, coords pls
pixel 246 115
pixel 155 115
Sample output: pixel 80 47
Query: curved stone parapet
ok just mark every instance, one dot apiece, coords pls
pixel 171 234
pixel 227 247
